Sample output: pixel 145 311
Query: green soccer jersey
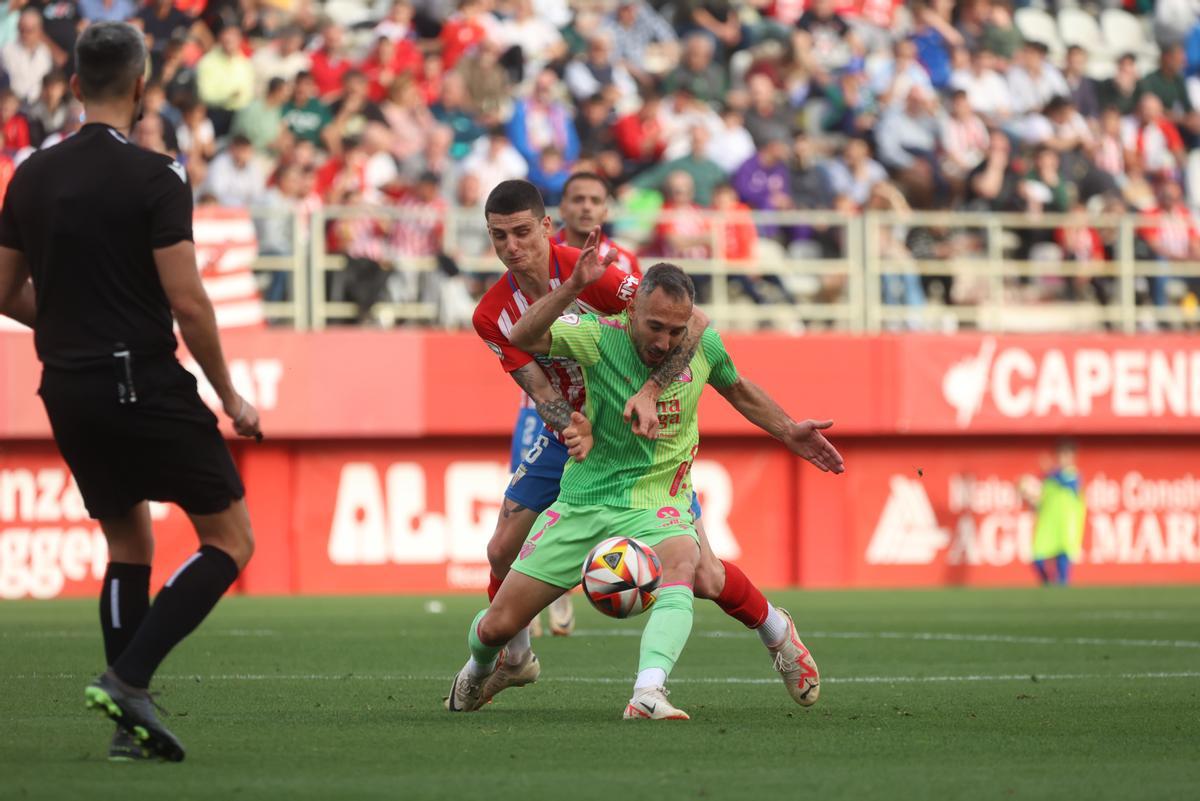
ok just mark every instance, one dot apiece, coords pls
pixel 623 469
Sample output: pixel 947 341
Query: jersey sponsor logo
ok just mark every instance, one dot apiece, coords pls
pixel 1122 382
pixel 179 170
pixel 494 348
pixel 669 412
pixel 907 532
pixel 685 377
pixel 628 288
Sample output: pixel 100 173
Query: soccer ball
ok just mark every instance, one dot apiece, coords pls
pixel 621 576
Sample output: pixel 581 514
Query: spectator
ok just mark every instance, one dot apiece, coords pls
pixel 889 79
pixel 435 158
pixel 225 78
pixel 148 133
pixel 489 89
pixel 1044 188
pixel 697 72
pixel 28 59
pixel 763 181
pixel 49 113
pixel 855 175
pixel 908 141
pixel 1000 35
pixel 825 37
pixel 276 235
pixel 542 120
pixel 409 119
pixel 162 21
pixel 196 135
pixel 550 175
pixel 329 61
pixel 636 29
pixel 640 135
pixel 1123 89
pixel 1110 148
pixel 13 123
pixel 494 159
pixel 964 138
pixel 716 20
pixel 10 14
pixel 935 38
pixel 1032 81
pixel 810 187
pixel 852 109
pixel 986 89
pixel 706 175
pixel 235 178
pixel 972 17
pixel 597 73
pixel 1171 235
pixel 682 231
pixel 107 10
pixel 1083 94
pixel 305 115
pixel 1154 139
pixel 176 75
pixel 1061 512
pixel 681 112
pixel 398 24
pixel 262 121
pixel 731 143
pixel 1168 85
pixel 380 171
pixel 766 119
pixel 594 126
pixel 463 31
pixel 994 184
pixel 1060 127
pixel 583 208
pixel 539 42
pixel 389 61
pixel 452 110
pixel 351 113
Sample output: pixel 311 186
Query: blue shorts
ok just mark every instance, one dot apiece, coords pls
pixel 535 481
pixel 529 427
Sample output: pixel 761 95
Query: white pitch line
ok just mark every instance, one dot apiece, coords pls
pixel 626 679
pixel 928 636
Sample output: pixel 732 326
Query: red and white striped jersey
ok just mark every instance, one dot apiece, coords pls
pixel 504 303
pixel 626 260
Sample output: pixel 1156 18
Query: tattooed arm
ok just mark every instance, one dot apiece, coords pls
pixel 641 411
pixel 554 409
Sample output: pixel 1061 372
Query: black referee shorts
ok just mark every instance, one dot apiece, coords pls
pixel 164 447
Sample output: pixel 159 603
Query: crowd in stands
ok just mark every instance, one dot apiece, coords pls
pixel 681 105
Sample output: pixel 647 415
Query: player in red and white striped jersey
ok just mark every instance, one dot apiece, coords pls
pixel 585 206
pixel 520 233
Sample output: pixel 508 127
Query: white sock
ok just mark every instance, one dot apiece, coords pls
pixel 479 670
pixel 650 678
pixel 774 628
pixel 519 645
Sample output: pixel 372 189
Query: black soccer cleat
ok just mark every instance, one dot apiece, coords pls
pixel 126 749
pixel 133 710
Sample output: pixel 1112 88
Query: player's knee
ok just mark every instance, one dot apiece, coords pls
pixel 497 627
pixel 500 554
pixel 710 578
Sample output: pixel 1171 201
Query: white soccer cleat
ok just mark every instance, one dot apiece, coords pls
pixel 796 666
pixel 652 704
pixel 562 616
pixel 515 674
pixel 466 695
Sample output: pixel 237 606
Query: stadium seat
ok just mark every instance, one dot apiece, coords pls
pixel 1078 27
pixel 347 13
pixel 1038 26
pixel 1125 34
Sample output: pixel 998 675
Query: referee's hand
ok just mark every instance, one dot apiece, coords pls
pixel 244 417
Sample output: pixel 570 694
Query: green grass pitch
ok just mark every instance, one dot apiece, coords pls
pixel 1008 694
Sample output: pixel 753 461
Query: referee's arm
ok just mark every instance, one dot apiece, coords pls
pixel 16 290
pixel 180 278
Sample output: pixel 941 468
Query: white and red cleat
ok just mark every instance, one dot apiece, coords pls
pixel 796 666
pixel 652 704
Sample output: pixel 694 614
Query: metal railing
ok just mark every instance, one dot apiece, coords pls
pixel 866 273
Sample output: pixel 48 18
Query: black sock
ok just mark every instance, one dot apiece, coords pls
pixel 184 601
pixel 124 601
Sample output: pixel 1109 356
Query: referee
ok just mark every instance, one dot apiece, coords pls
pixel 104 230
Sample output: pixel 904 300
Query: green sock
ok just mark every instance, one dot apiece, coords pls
pixel 667 630
pixel 484 656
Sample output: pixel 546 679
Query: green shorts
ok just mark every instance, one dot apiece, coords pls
pixel 564 534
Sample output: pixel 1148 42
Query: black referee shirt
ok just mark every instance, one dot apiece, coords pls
pixel 88 213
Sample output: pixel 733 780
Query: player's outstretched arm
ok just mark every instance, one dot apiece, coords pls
pixel 16 292
pixel 532 332
pixel 641 410
pixel 180 278
pixel 801 438
pixel 554 410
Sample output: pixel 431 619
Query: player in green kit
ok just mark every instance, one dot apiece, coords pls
pixel 628 485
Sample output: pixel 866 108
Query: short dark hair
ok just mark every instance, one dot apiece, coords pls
pixel 110 57
pixel 275 84
pixel 587 176
pixel 670 279
pixel 1066 444
pixel 511 197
